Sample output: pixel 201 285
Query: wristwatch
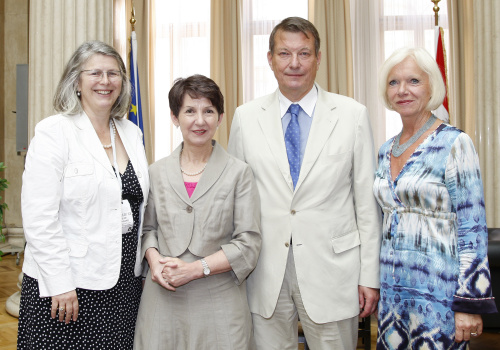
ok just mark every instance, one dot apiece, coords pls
pixel 206 269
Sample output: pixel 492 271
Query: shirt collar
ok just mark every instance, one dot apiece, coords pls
pixel 307 103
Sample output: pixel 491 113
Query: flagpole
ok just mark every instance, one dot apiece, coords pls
pixel 442 112
pixel 436 11
pixel 135 113
pixel 132 19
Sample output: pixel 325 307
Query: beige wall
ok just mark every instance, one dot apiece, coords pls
pixel 2 97
pixel 13 51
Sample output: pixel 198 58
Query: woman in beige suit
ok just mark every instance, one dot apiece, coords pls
pixel 201 234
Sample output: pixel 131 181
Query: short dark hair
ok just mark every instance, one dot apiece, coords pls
pixel 296 25
pixel 196 86
pixel 65 99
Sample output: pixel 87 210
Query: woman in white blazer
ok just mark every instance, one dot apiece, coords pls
pixel 201 234
pixel 84 189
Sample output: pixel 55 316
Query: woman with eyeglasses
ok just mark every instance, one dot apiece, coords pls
pixel 84 189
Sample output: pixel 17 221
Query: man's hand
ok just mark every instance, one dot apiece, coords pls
pixel 368 300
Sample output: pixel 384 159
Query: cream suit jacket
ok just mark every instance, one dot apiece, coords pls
pixel 222 213
pixel 71 205
pixel 332 216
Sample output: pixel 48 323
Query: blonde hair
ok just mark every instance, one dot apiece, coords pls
pixel 425 61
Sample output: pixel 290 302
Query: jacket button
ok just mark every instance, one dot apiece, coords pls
pixel 189 209
pixel 76 170
pixel 287 244
pixel 293 212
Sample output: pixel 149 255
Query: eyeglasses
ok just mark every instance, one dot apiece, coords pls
pixel 97 74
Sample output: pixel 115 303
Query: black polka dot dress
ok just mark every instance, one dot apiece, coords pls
pixel 107 317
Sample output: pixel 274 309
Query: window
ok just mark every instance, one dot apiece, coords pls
pixel 408 23
pixel 259 19
pixel 182 48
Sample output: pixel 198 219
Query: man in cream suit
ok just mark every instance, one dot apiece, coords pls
pixel 314 168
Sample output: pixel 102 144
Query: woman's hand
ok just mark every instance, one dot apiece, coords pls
pixel 65 303
pixel 178 272
pixel 467 325
pixel 154 260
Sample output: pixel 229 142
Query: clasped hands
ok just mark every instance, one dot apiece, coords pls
pixel 171 273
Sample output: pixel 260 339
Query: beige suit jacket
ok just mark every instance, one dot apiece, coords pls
pixel 332 215
pixel 223 212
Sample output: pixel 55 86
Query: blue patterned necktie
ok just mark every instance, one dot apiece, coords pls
pixel 292 142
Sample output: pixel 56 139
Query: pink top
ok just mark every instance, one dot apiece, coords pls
pixel 190 186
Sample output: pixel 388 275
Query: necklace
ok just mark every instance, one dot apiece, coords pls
pixel 114 134
pixel 398 149
pixel 190 174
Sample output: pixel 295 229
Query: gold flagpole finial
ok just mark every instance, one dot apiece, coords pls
pixel 132 20
pixel 436 10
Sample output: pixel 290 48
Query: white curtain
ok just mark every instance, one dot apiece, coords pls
pixel 259 19
pixel 182 48
pixel 381 27
pixel 368 55
pixel 120 22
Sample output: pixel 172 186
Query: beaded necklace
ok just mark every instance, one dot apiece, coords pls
pixel 114 133
pixel 191 174
pixel 398 149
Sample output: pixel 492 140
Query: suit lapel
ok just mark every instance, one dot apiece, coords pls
pixel 126 142
pixel 173 172
pixel 270 123
pixel 89 138
pixel 216 165
pixel 130 145
pixel 323 123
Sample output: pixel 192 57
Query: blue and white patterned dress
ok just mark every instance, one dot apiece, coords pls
pixel 433 258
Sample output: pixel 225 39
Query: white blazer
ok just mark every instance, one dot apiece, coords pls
pixel 331 215
pixel 71 205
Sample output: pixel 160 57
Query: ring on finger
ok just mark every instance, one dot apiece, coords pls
pixel 61 309
pixel 474 334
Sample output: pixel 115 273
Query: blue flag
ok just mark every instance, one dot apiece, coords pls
pixel 135 113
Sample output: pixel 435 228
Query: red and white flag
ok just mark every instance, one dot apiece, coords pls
pixel 442 112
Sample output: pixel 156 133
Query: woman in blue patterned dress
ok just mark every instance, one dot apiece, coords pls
pixel 435 278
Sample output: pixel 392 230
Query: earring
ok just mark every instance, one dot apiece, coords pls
pixel 79 93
